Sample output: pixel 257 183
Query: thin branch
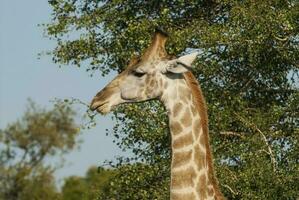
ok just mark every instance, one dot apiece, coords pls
pixel 281 39
pixel 273 160
pixel 231 133
pixel 229 188
pixel 269 152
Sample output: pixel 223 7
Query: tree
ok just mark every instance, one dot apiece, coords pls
pixel 90 187
pixel 26 144
pixel 248 69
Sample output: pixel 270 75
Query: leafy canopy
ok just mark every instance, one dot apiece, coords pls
pixel 89 187
pixel 248 69
pixel 26 144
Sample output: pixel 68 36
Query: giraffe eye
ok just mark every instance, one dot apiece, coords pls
pixel 138 73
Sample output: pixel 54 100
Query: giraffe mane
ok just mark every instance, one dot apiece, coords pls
pixel 202 108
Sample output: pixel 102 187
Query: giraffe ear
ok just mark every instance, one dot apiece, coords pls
pixel 182 64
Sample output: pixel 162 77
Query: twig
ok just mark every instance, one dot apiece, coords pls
pixel 281 39
pixel 230 189
pixel 269 152
pixel 231 133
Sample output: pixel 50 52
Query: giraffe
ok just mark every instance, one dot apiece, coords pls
pixel 156 75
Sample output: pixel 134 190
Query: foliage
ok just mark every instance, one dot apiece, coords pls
pixel 91 186
pixel 24 147
pixel 248 69
pixel 148 182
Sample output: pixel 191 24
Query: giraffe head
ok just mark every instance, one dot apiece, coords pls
pixel 145 78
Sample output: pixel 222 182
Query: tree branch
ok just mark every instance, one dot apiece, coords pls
pixel 281 39
pixel 231 133
pixel 254 126
pixel 229 188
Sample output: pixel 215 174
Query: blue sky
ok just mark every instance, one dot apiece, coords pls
pixel 23 76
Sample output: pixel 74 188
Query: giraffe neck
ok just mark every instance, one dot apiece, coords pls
pixel 191 164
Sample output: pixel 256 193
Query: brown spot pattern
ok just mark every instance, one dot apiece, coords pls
pixel 177 196
pixel 185 95
pixel 165 85
pixel 152 83
pixel 176 128
pixel 186 120
pixel 177 109
pixel 201 187
pixel 184 178
pixel 147 80
pixel 199 157
pixel 210 191
pixel 181 158
pixel 202 140
pixel 183 141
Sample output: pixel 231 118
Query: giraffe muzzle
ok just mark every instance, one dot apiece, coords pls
pixel 101 106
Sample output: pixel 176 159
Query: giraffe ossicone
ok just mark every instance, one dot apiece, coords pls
pixel 156 75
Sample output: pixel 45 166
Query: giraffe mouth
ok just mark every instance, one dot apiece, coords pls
pixel 101 107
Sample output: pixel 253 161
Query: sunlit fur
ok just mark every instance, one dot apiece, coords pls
pixel 201 107
pixel 157 76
